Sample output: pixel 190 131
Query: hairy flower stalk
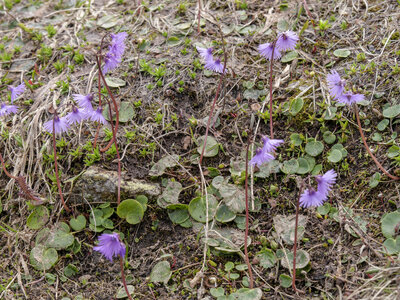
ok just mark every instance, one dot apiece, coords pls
pixel 110 245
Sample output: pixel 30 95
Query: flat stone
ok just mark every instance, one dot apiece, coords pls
pixel 99 185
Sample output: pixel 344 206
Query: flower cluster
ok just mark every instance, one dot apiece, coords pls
pixel 286 41
pixel 115 52
pixel 6 109
pixel 110 245
pixel 312 197
pixel 264 154
pixel 336 90
pixel 211 64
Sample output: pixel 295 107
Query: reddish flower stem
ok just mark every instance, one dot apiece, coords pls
pixel 271 125
pixel 367 148
pixel 121 263
pixel 99 94
pixel 3 165
pixel 56 171
pixel 114 129
pixel 246 234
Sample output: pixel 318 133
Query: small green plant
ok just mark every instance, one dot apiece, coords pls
pixel 144 66
pixel 241 4
pixel 182 8
pixel 59 66
pixel 6 56
pixel 17 49
pixel 51 31
pixel 45 53
pixel 160 71
pixel 323 25
pixel 79 58
pixel 361 56
pixel 93 157
pixel 344 25
pixel 64 87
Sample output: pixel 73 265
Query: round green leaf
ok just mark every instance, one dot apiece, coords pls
pixel 126 112
pixel 304 167
pixel 197 208
pixel 211 149
pixel 302 259
pixel 314 148
pixel 38 217
pixel 285 280
pixel 121 293
pixel 179 214
pixel 161 272
pixel 335 156
pixel 59 237
pixel 217 292
pixel 290 166
pixel 341 53
pixel 296 139
pixel 383 124
pixel 392 111
pixel 267 258
pixel 131 210
pixel 329 137
pixel 142 199
pixel 43 258
pixel 288 57
pixel 295 106
pixel 134 217
pixel 392 246
pixel 78 223
pixel 389 222
pixel 224 214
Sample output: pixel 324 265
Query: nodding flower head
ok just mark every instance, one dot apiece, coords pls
pixel 60 125
pixel 205 53
pixel 97 116
pixel 115 51
pixel 76 116
pixel 110 245
pixel 264 154
pixel 312 197
pixel 5 109
pixel 287 41
pixel 84 102
pixel 267 49
pixel 349 98
pixel 336 84
pixel 16 91
pixel 215 65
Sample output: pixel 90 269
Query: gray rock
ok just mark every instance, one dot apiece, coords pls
pixel 98 185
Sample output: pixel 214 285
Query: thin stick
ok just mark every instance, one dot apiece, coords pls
pixel 246 234
pixel 121 263
pixel 4 168
pixel 271 125
pixel 56 170
pixel 367 148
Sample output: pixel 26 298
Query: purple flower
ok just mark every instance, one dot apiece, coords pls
pixel 336 84
pixel 110 245
pixel 97 116
pixel 115 51
pixel 310 197
pixel 349 98
pixel 264 155
pixel 287 41
pixel 60 125
pixel 76 116
pixel 266 51
pixel 5 109
pixel 16 91
pixel 214 65
pixel 205 53
pixel 84 102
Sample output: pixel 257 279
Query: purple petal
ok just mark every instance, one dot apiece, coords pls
pixel 349 98
pixel 60 125
pixel 76 116
pixel 97 116
pixel 110 246
pixel 286 41
pixel 205 53
pixel 84 102
pixel 5 109
pixel 214 65
pixel 270 145
pixel 16 91
pixel 260 158
pixel 266 51
pixel 312 198
pixel 336 84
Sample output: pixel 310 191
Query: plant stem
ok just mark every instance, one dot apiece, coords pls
pixel 99 94
pixel 113 129
pixel 271 125
pixel 246 234
pixel 4 168
pixel 56 170
pixel 367 148
pixel 295 241
pixel 121 263
pixel 213 104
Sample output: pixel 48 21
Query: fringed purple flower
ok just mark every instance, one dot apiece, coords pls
pixel 266 51
pixel 336 84
pixel 60 125
pixel 264 155
pixel 115 51
pixel 110 245
pixel 84 102
pixel 76 116
pixel 215 65
pixel 16 91
pixel 312 197
pixel 286 41
pixel 5 109
pixel 97 116
pixel 349 98
pixel 205 53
